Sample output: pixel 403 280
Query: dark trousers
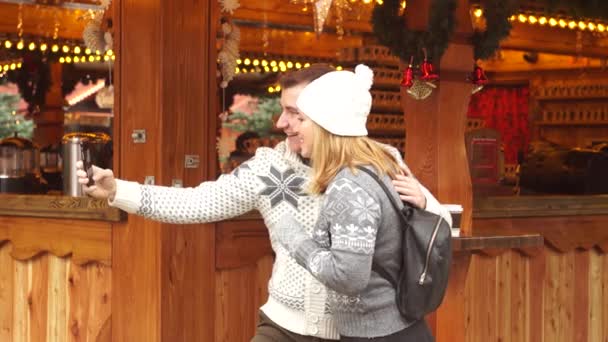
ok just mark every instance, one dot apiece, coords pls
pixel 269 331
pixel 417 332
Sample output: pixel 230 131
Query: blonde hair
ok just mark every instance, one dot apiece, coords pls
pixel 330 153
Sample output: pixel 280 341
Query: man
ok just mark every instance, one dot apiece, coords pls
pixel 272 182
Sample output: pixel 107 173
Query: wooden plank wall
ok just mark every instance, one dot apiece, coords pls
pixel 238 305
pixel 50 298
pixel 549 297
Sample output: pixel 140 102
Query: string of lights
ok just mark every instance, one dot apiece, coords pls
pixel 253 64
pixel 553 21
pixel 54 47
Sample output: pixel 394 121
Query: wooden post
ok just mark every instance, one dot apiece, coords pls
pixel 163 275
pixel 435 145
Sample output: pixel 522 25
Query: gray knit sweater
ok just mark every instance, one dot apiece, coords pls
pixel 357 224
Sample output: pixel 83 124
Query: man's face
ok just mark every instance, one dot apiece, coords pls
pixel 289 121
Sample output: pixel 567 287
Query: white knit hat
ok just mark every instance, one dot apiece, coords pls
pixel 339 101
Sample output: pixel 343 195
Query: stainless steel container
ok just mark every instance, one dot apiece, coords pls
pixel 91 147
pixel 20 166
pixel 12 172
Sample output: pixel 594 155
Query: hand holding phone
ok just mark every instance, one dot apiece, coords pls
pixel 87 164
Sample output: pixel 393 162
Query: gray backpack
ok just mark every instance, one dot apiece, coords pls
pixel 427 255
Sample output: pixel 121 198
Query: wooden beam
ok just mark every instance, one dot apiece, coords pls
pixel 163 278
pixel 295 43
pixel 513 61
pixel 555 40
pixel 40 20
pixel 283 13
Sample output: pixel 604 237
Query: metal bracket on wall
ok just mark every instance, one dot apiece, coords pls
pixel 139 136
pixel 191 161
pixel 149 180
pixel 177 183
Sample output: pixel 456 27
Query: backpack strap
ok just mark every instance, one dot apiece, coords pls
pixel 376 267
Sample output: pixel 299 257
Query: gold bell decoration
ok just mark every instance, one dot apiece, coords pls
pixel 420 90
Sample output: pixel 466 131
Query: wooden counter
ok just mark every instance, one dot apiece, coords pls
pixel 539 206
pixel 553 293
pixel 61 207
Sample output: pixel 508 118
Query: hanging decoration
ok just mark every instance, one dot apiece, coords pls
pixel 408 76
pixel 105 97
pixel 229 53
pixel 96 35
pixel 229 6
pixel 420 90
pixel 420 83
pixel 321 10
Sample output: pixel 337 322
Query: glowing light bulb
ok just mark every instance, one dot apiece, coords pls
pixel 522 18
pixel 582 25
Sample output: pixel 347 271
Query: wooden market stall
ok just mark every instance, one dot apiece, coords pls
pixel 526 268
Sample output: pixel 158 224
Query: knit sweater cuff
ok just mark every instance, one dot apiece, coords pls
pixel 303 252
pixel 128 196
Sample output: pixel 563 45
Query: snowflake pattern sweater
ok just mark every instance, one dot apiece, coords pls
pixel 357 225
pixel 272 182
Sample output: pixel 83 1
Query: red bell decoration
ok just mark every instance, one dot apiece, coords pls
pixel 427 71
pixel 408 75
pixel 478 79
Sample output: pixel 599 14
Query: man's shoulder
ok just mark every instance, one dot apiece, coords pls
pixel 277 157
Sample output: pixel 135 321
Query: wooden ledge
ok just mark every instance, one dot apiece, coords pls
pixel 63 207
pixel 490 245
pixel 539 206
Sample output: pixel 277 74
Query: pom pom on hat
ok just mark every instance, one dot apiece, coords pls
pixel 339 101
pixel 365 75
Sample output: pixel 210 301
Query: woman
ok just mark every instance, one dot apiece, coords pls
pixel 357 224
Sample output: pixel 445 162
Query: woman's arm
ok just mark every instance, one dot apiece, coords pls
pixel 342 247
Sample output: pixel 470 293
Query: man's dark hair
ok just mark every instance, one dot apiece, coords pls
pixel 305 75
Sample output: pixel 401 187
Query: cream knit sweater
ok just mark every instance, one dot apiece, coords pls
pixel 272 182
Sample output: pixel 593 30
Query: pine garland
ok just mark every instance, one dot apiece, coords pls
pixel 498 26
pixel 391 30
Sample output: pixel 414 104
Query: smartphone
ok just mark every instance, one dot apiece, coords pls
pixel 87 164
